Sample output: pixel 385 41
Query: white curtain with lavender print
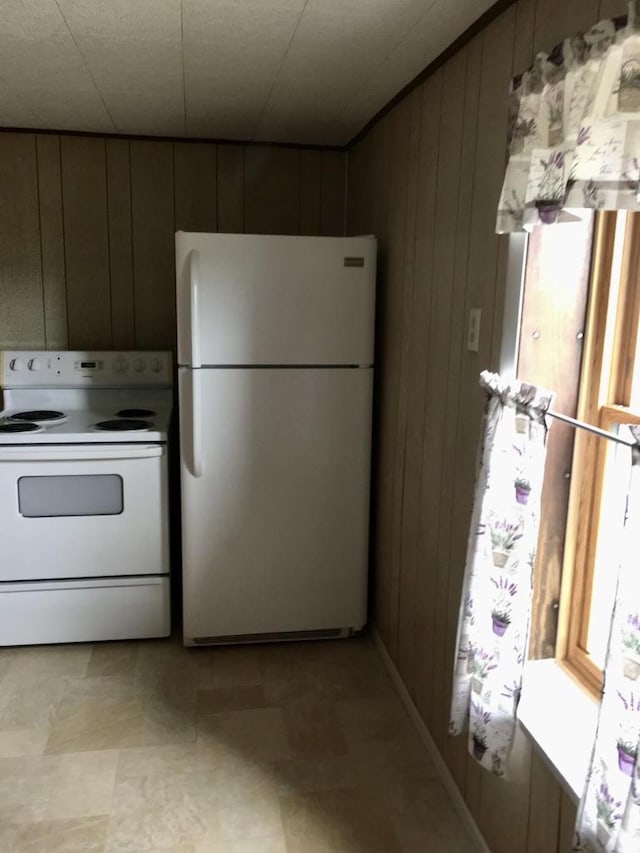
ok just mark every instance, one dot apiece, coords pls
pixel 493 630
pixel 609 814
pixel 574 129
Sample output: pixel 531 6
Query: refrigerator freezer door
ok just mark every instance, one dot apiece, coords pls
pixel 275 530
pixel 245 299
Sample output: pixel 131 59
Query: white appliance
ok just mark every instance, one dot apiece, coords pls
pixel 275 355
pixel 84 525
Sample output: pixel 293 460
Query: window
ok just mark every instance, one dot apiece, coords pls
pixel 579 336
pixel 550 348
pixel 609 395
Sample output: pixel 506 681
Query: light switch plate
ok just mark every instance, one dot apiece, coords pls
pixel 473 330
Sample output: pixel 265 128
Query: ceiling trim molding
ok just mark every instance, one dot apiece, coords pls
pixel 463 39
pixel 132 137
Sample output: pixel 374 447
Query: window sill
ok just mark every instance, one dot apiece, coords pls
pixel 560 717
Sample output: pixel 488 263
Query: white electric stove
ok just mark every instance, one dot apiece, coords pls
pixel 84 509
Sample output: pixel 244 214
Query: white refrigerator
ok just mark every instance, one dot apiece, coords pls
pixel 275 364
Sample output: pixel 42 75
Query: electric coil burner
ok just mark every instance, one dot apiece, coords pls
pixel 84 496
pixel 135 413
pixel 20 427
pixel 122 425
pixel 38 416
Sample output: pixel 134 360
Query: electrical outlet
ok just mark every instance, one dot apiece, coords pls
pixel 473 330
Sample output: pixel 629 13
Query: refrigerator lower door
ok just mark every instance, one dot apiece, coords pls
pixel 275 527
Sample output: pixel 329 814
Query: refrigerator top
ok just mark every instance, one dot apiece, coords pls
pixel 247 299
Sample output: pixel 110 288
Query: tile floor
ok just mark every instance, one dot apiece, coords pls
pixel 148 746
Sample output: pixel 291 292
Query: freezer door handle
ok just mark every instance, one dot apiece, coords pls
pixel 194 287
pixel 86 453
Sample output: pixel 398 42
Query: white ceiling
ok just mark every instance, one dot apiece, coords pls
pixel 309 71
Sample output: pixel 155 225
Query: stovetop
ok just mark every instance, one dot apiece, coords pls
pixel 102 397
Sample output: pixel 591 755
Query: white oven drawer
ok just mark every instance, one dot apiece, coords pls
pixel 83 511
pixel 84 611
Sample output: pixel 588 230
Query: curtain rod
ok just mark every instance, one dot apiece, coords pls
pixel 590 428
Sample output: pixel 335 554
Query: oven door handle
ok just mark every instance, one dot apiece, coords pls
pixel 85 454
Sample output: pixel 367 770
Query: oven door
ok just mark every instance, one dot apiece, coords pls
pixel 82 511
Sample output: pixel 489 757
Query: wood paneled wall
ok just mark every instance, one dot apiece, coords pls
pixel 426 180
pixel 87 227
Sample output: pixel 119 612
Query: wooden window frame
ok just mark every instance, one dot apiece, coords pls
pixel 606 382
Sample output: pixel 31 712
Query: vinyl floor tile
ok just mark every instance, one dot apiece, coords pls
pixel 109 659
pixel 257 734
pixel 90 724
pixel 83 785
pixel 235 666
pixel 79 835
pixel 102 687
pixel 271 844
pixel 240 698
pixel 313 729
pixel 252 813
pixel 23 742
pixel 33 703
pixel 33 662
pixel 25 786
pixel 339 820
pixel 316 774
pixel 157 760
pixel 158 829
pixel 195 789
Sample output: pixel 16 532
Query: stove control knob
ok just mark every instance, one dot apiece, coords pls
pixel 34 364
pixel 120 365
pixel 15 364
pixel 156 365
pixel 139 365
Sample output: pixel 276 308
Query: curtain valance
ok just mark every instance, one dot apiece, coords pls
pixel 574 129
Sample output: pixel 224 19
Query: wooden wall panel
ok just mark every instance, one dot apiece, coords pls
pixel 455 517
pixel 544 815
pixel 446 343
pixel 334 174
pixel 403 160
pixel 568 811
pixel 86 242
pixel 195 176
pixel 272 190
pixel 361 189
pixel 230 189
pixel 419 162
pixel 52 242
pixel 311 191
pixel 612 8
pixel 391 308
pixel 120 244
pixel 523 42
pixel 21 296
pixel 557 21
pixel 153 244
pixel 504 805
pixel 417 577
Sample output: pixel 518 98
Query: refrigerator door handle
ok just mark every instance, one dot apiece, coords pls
pixel 194 287
pixel 196 423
